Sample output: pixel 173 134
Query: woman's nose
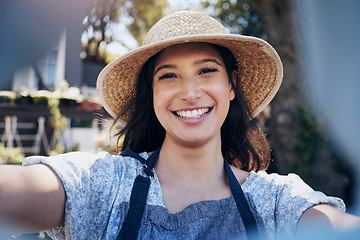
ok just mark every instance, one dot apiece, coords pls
pixel 190 90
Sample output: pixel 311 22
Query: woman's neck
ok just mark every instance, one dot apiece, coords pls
pixel 191 174
pixel 188 164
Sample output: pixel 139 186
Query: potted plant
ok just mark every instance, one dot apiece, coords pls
pixel 7 97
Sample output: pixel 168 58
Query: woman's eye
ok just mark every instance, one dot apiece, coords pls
pixel 167 75
pixel 207 70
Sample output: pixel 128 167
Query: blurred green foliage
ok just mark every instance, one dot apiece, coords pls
pixel 309 143
pixel 239 17
pixel 59 123
pixel 100 25
pixel 10 155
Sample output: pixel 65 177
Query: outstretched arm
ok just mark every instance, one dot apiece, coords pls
pixel 328 217
pixel 32 197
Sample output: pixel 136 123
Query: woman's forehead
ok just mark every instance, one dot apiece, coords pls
pixel 189 50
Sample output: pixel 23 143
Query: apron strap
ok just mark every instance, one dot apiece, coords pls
pixel 131 225
pixel 241 203
pixel 129 153
pixel 138 197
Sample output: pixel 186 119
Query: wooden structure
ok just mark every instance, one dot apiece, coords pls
pixel 29 127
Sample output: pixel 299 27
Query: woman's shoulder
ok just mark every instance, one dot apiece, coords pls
pixel 286 190
pixel 264 185
pixel 95 170
pixel 274 179
pixel 275 186
pixel 82 158
pixel 253 179
pixel 82 166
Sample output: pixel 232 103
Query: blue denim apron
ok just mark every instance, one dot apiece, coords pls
pixel 131 225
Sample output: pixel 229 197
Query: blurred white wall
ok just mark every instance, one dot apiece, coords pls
pixel 29 28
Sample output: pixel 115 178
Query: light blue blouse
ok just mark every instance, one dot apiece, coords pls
pixel 98 188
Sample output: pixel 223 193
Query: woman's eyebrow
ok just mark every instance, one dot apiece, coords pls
pixel 164 66
pixel 198 62
pixel 207 60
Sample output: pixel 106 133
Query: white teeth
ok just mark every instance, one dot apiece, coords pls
pixel 192 114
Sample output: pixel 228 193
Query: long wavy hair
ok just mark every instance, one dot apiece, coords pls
pixel 243 144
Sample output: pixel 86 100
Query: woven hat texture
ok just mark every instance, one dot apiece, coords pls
pixel 259 67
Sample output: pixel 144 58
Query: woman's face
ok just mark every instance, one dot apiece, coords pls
pixel 192 93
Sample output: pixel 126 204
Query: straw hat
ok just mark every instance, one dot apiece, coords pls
pixel 260 70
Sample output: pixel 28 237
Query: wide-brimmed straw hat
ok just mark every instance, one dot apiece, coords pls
pixel 259 67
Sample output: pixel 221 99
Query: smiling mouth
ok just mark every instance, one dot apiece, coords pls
pixel 196 113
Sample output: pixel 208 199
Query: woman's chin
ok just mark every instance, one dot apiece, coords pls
pixel 194 141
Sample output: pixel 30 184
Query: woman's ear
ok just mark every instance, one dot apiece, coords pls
pixel 233 79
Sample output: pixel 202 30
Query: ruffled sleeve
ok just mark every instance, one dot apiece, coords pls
pixel 281 200
pixel 295 198
pixel 91 182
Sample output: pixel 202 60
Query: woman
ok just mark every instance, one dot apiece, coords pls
pixel 187 98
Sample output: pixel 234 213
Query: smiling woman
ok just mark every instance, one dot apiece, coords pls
pixel 193 159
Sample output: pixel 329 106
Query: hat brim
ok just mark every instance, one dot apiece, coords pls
pixel 259 71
